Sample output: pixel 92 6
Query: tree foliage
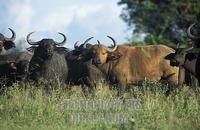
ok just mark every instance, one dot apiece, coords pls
pixel 162 21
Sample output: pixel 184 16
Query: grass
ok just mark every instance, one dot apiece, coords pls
pixel 30 107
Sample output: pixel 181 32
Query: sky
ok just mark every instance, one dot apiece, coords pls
pixel 77 19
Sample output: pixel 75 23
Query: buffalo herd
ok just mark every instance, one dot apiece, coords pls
pixel 88 64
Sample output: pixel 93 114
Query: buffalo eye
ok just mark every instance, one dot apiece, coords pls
pixel 104 53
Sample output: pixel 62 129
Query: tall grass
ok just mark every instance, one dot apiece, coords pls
pixel 30 107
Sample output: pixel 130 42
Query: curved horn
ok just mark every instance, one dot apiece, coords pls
pixel 86 41
pixel 13 36
pixel 29 41
pixel 188 49
pixel 64 40
pixel 190 35
pixel 75 44
pixel 98 42
pixel 114 46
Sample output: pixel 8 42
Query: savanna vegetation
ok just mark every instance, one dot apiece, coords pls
pixel 33 107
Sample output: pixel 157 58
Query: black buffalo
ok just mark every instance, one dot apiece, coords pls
pixel 48 62
pixel 185 56
pixel 83 72
pixel 14 67
pixel 7 43
pixel 188 60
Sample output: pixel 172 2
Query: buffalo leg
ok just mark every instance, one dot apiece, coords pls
pixel 181 76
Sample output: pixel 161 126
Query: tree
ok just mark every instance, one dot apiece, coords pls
pixel 162 21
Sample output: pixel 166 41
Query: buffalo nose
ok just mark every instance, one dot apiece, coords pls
pixel 96 61
pixel 48 51
pixel 173 60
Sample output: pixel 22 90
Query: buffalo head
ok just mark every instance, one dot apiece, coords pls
pixel 181 55
pixel 100 53
pixel 46 47
pixel 82 51
pixel 7 43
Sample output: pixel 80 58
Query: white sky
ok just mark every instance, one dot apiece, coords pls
pixel 78 19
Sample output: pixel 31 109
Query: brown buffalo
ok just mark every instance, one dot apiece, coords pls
pixel 125 64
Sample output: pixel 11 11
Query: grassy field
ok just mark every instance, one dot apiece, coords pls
pixel 30 107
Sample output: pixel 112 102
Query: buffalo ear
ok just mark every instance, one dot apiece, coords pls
pixel 113 56
pixel 61 50
pixel 191 56
pixel 31 49
pixel 8 45
pixel 169 56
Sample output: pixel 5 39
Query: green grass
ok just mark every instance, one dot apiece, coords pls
pixel 29 107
